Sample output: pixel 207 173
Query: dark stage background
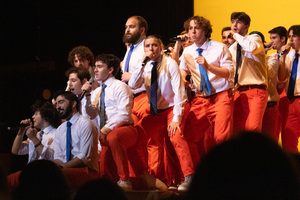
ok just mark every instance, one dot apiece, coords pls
pixel 37 35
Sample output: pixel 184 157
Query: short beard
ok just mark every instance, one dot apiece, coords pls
pixel 133 39
pixel 67 113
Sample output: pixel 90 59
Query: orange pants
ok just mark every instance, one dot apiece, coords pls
pixel 209 119
pixel 291 132
pixel 270 121
pixel 283 108
pixel 155 128
pixel 140 105
pixel 121 151
pixel 249 109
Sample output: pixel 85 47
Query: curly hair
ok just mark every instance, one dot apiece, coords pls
pixel 111 61
pixel 83 52
pixel 47 112
pixel 202 22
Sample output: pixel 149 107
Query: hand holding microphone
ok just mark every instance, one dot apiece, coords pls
pixel 86 87
pixel 179 38
pixel 148 56
pixel 286 48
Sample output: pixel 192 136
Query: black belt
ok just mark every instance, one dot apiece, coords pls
pixel 138 94
pixel 271 103
pixel 248 87
pixel 162 110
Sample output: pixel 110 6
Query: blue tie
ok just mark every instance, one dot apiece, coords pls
pixel 291 88
pixel 102 107
pixel 238 62
pixel 128 58
pixel 68 143
pixel 153 89
pixel 41 135
pixel 204 84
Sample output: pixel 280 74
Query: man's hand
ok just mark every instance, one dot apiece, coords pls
pixel 201 61
pixel 126 76
pixel 172 128
pixel 31 133
pixel 102 139
pixel 87 87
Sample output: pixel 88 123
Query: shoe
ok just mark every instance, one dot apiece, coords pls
pixel 152 182
pixel 185 185
pixel 125 185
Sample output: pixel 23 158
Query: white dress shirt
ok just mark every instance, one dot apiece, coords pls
pixel 289 65
pixel 27 147
pixel 215 53
pixel 171 91
pixel 84 138
pixel 135 62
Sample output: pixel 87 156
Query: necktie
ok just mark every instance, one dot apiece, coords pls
pixel 128 58
pixel 278 56
pixel 41 135
pixel 68 141
pixel 204 83
pixel 153 89
pixel 102 107
pixel 238 62
pixel 291 88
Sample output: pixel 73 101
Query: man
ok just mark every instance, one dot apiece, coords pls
pixel 227 38
pixel 164 116
pixel 113 102
pixel 250 78
pixel 75 144
pixel 39 145
pixel 82 56
pixel 277 108
pixel 291 134
pixel 136 29
pixel 210 65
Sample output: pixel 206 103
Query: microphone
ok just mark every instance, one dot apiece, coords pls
pixel 84 91
pixel 145 60
pixel 284 50
pixel 174 39
pixel 9 128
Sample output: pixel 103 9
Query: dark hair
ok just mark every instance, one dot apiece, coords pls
pixel 260 35
pixel 202 22
pixel 81 72
pixel 295 29
pixel 47 111
pixel 83 52
pixel 281 31
pixel 42 179
pixel 227 28
pixel 242 17
pixel 142 22
pixel 111 61
pixel 70 96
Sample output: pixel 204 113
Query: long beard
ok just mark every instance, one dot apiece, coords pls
pixel 132 39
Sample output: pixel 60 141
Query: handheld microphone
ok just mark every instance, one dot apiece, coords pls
pixel 174 39
pixel 9 128
pixel 145 60
pixel 284 50
pixel 84 91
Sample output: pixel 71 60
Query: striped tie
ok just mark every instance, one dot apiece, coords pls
pixel 153 89
pixel 102 107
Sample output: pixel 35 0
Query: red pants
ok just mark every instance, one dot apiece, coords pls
pixel 249 109
pixel 140 105
pixel 155 128
pixel 291 132
pixel 270 121
pixel 121 150
pixel 209 121
pixel 283 108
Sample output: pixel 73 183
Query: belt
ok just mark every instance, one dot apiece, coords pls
pixel 138 94
pixel 248 87
pixel 162 110
pixel 271 103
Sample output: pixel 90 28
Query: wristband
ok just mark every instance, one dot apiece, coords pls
pixel 38 144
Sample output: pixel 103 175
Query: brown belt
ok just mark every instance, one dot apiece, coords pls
pixel 271 103
pixel 248 87
pixel 138 94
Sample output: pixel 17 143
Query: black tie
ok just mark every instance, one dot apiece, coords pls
pixel 153 89
pixel 102 107
pixel 238 62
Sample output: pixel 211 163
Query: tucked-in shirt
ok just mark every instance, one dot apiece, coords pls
pixel 171 91
pixel 27 147
pixel 83 141
pixel 289 65
pixel 118 104
pixel 253 70
pixel 273 66
pixel 135 62
pixel 215 53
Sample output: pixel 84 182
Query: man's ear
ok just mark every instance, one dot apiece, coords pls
pixel 83 81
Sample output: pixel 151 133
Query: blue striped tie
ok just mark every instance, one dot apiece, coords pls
pixel 126 67
pixel 204 84
pixel 68 141
pixel 102 107
pixel 291 88
pixel 153 89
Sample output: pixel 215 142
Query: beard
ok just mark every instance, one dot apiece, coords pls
pixel 132 39
pixel 64 114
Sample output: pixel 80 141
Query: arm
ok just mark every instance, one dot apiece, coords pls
pixel 32 135
pixel 17 144
pixel 252 44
